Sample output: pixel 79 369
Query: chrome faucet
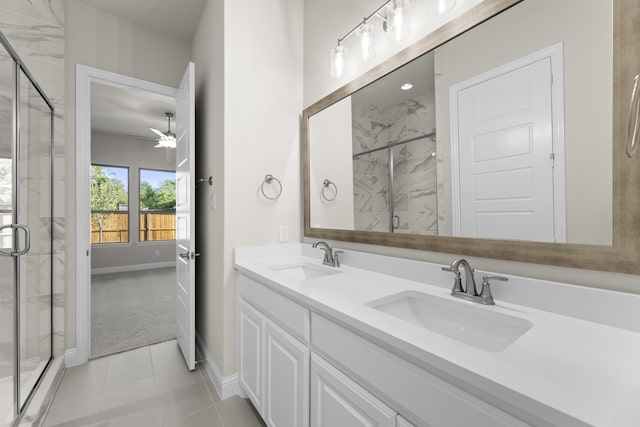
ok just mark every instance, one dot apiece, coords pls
pixel 330 255
pixel 469 292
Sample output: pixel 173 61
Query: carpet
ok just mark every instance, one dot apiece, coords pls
pixel 132 309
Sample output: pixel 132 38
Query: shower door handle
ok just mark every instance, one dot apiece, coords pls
pixel 27 239
pixel 396 222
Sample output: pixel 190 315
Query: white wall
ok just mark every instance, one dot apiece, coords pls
pixel 330 136
pixel 134 154
pixel 208 54
pixel 248 118
pixel 325 21
pixel 111 43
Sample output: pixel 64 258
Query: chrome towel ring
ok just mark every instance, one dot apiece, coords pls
pixel 268 179
pixel 326 186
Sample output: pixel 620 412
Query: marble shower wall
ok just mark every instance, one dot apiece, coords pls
pixel 35 29
pixel 414 166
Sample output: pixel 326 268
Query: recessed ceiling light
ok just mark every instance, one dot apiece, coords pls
pixel 406 86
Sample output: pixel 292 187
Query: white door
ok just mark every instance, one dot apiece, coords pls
pixel 504 131
pixel 286 371
pixel 338 401
pixel 185 217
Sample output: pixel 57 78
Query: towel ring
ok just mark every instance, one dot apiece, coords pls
pixel 327 184
pixel 268 179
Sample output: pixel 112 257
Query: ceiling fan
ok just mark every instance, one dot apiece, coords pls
pixel 165 139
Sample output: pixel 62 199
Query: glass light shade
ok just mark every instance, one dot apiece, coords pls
pixel 398 22
pixel 366 41
pixel 338 60
pixel 440 7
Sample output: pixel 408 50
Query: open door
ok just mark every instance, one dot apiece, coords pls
pixel 185 217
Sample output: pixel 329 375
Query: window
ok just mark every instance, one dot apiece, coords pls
pixel 157 205
pixel 109 204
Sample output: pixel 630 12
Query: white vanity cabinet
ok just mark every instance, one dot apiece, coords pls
pixel 339 401
pixel 273 364
pixel 292 386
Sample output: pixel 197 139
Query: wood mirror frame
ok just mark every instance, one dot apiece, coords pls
pixel 623 256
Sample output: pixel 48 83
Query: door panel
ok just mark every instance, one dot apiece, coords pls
pixel 505 152
pixel 251 330
pixel 286 379
pixel 7 263
pixel 34 212
pixel 185 215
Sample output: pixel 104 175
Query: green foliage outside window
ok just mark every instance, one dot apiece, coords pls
pixel 107 193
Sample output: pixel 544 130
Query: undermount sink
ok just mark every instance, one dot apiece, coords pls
pixel 477 326
pixel 305 270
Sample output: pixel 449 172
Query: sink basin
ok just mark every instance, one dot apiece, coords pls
pixel 305 271
pixel 478 326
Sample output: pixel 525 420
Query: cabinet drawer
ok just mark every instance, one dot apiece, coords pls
pixel 413 389
pixel 338 401
pixel 286 313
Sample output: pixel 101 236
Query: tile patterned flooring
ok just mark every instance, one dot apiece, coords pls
pixel 148 386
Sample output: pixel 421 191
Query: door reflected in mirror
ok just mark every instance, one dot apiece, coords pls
pixel 504 132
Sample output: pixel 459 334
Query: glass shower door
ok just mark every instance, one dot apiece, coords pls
pixel 7 264
pixel 34 212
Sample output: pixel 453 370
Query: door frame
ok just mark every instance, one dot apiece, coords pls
pixel 556 53
pixel 86 75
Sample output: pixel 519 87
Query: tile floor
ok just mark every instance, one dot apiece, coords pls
pixel 149 386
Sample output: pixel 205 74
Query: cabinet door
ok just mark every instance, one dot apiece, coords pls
pixel 286 379
pixel 251 331
pixel 337 400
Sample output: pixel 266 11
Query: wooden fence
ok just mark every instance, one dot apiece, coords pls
pixel 157 226
pixel 113 226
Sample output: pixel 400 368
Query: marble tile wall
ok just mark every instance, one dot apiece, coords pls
pixel 414 166
pixel 35 29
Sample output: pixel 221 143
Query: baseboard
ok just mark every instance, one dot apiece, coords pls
pixel 225 386
pixel 71 358
pixel 133 267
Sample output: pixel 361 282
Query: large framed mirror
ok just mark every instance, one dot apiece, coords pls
pixel 499 135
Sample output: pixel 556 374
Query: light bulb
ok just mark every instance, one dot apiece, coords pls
pixel 338 59
pixel 398 20
pixel 365 38
pixel 440 7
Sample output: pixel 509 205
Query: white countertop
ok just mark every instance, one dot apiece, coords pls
pixel 561 366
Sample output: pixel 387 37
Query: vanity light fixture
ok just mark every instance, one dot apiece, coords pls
pixel 406 86
pixel 440 7
pixel 394 15
pixel 397 21
pixel 338 58
pixel 365 39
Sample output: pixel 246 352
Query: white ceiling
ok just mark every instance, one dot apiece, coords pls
pixel 386 90
pixel 175 17
pixel 119 111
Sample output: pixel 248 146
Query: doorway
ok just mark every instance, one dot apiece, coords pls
pixel 86 77
pixel 133 209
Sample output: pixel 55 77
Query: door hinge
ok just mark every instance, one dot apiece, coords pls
pixel 552 157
